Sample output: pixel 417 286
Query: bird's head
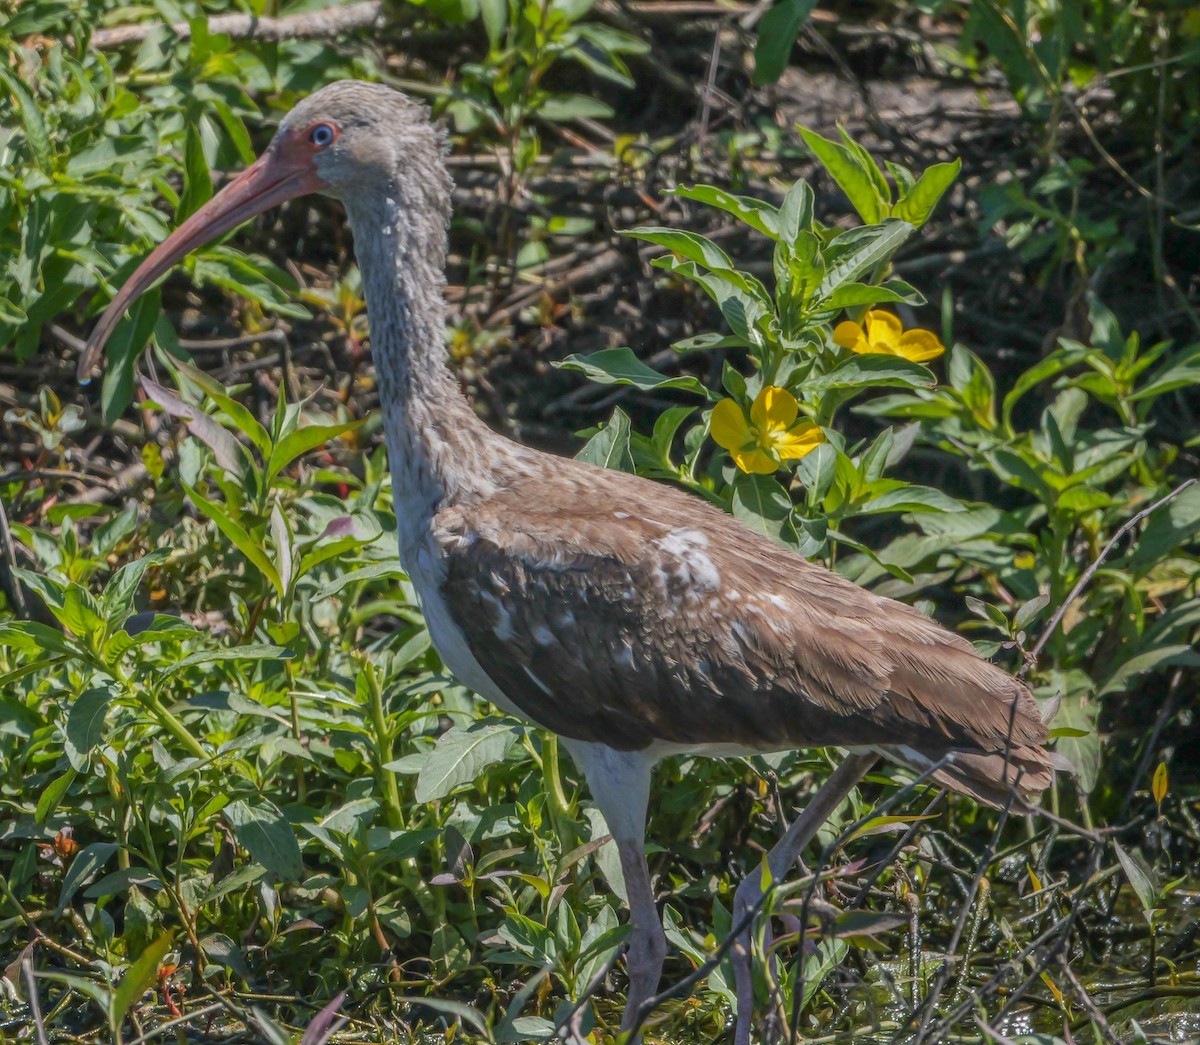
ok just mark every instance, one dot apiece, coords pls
pixel 351 140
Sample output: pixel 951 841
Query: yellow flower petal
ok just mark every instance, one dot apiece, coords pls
pixel 754 461
pixel 883 328
pixel 729 426
pixel 799 441
pixel 848 335
pixel 919 346
pixel 773 407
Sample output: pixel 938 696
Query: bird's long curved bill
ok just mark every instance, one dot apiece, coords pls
pixel 268 181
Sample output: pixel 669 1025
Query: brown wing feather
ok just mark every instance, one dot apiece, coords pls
pixel 610 609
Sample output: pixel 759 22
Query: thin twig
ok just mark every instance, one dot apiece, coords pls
pixel 1085 999
pixel 35 1009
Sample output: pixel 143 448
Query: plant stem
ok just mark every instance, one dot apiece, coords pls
pixel 560 810
pixel 383 750
pixel 176 728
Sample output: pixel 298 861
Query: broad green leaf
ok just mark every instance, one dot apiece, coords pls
pixel 85 724
pixel 850 295
pixel 777 32
pixel 461 755
pixel 83 868
pixel 688 245
pixel 796 214
pixel 390 569
pixel 609 448
pixel 761 502
pixel 757 214
pixel 49 799
pixel 255 651
pixel 31 636
pixel 918 203
pixel 1174 524
pixel 1079 711
pixel 225 447
pixel 31 122
pixel 560 107
pixel 244 543
pixel 1150 660
pixel 910 498
pixel 1141 877
pixel 872 247
pixel 619 366
pixel 243 420
pixel 846 169
pixel 872 370
pixel 302 440
pixel 122 352
pixel 117 598
pixel 268 837
pixel 494 14
pixel 139 976
pixel 197 181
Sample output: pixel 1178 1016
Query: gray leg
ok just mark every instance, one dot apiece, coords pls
pixel 620 786
pixel 780 861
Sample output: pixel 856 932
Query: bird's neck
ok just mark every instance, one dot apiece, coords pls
pixel 436 444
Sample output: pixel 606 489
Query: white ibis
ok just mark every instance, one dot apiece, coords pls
pixel 634 620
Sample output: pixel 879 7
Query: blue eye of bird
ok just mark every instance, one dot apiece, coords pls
pixel 321 135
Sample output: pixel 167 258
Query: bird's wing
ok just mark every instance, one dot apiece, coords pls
pixel 611 609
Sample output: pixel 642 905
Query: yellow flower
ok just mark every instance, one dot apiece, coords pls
pixel 769 435
pixel 882 333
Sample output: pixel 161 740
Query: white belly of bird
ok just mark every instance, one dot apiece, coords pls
pixel 448 639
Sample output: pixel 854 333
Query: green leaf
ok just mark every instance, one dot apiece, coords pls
pixel 1141 877
pixel 687 245
pixel 1079 712
pixel 85 724
pixel 254 651
pixel 761 502
pixel 220 949
pixel 619 366
pixel 461 755
pixel 302 440
pixel 391 570
pixel 609 448
pixel 49 799
pixel 197 181
pixel 850 295
pixel 847 170
pixel 138 978
pixel 910 498
pixel 225 447
pixel 872 370
pixel 87 862
pixel 29 636
pixel 1150 660
pixel 122 352
pixel 561 107
pixel 758 214
pixel 494 14
pixel 31 122
pixel 117 598
pixel 243 420
pixel 868 248
pixel 244 543
pixel 268 837
pixel 777 33
pixel 918 203
pixel 1171 527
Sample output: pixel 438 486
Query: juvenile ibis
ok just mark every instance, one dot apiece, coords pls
pixel 633 619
